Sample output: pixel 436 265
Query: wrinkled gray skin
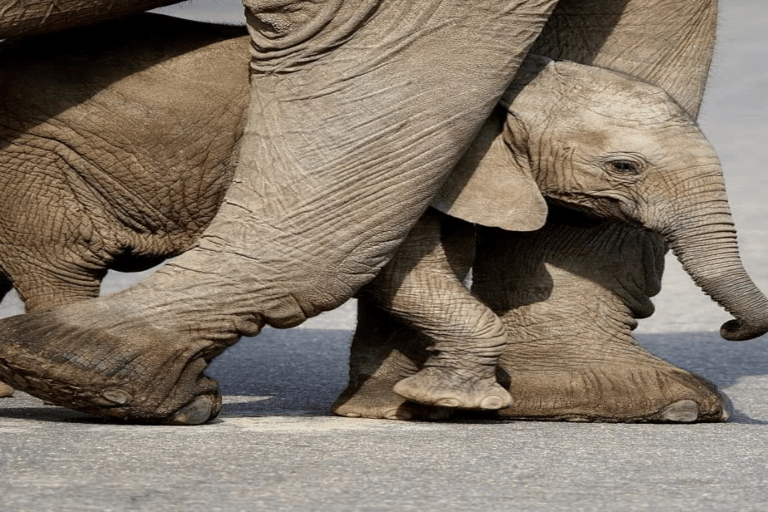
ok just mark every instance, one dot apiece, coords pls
pixel 77 205
pixel 146 187
pixel 588 138
pixel 142 217
pixel 347 188
pixel 410 86
pixel 569 359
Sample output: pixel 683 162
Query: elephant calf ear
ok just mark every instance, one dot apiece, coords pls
pixel 490 187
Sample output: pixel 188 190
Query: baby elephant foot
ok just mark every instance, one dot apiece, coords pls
pixel 374 398
pixel 437 386
pixel 151 377
pixel 5 390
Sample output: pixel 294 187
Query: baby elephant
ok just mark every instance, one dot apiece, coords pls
pixel 568 295
pixel 588 139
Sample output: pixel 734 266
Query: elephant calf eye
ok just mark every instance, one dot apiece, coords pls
pixel 624 166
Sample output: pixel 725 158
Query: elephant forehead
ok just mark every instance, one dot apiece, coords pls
pixel 615 95
pixel 626 109
pixel 603 134
pixel 639 124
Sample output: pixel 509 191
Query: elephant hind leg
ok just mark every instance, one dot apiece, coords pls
pixel 155 377
pixel 44 279
pixel 36 358
pixel 422 287
pixel 40 291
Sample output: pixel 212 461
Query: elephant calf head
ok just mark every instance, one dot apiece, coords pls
pixel 615 147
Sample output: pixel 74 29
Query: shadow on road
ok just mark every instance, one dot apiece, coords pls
pixel 300 372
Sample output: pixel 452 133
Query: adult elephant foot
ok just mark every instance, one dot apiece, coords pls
pixel 152 377
pixel 611 381
pixel 569 295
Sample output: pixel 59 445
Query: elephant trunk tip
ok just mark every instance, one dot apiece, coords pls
pixel 739 330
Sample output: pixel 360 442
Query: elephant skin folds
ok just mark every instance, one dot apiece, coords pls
pixel 350 195
pixel 156 377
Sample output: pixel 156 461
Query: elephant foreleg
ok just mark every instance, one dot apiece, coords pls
pixel 383 353
pixel 422 287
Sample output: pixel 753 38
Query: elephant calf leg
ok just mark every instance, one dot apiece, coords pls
pixel 422 286
pixel 569 296
pixel 383 353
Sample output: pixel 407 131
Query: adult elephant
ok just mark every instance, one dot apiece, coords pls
pixel 409 86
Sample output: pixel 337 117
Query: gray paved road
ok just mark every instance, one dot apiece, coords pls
pixel 275 447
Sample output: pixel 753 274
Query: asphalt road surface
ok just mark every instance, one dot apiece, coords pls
pixel 275 447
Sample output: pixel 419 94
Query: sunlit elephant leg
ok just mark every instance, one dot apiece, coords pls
pixel 569 296
pixel 383 353
pixel 423 288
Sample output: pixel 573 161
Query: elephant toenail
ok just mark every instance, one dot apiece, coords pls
pixel 116 396
pixel 493 403
pixel 397 414
pixel 682 411
pixel 200 410
pixel 448 402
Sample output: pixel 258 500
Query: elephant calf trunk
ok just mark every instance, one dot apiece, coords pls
pixel 741 328
pixel 712 260
pixel 738 330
